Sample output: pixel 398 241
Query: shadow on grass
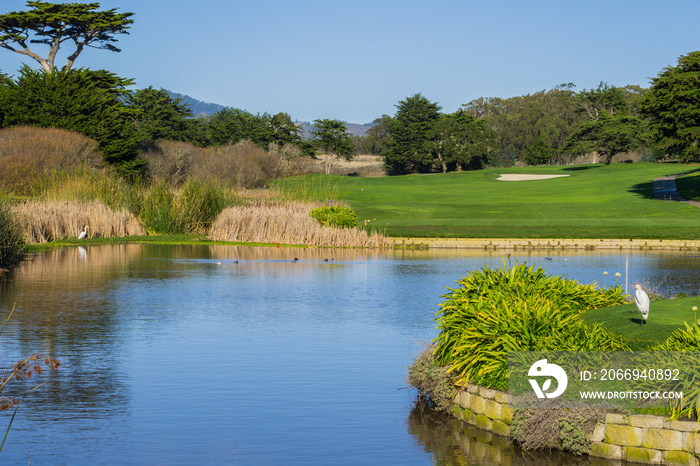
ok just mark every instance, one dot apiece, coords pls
pixel 646 190
pixel 580 168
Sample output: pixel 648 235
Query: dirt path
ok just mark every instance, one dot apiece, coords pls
pixel 665 188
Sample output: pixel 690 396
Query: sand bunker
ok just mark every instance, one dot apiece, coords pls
pixel 515 177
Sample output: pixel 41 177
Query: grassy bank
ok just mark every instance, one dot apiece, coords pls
pixel 595 201
pixel 665 316
pixel 153 239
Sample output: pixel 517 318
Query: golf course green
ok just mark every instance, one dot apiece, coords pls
pixel 665 316
pixel 592 201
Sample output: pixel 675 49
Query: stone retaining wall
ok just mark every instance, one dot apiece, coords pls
pixel 634 438
pixel 485 408
pixel 546 244
pixel 646 439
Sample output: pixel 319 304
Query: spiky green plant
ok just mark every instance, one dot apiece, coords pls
pixel 687 339
pixel 495 311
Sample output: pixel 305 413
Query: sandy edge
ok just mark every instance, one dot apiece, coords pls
pixel 522 177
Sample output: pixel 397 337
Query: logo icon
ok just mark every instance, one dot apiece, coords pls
pixel 542 369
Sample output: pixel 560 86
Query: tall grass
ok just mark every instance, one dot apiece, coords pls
pixel 309 188
pixel 191 208
pixel 288 223
pixel 11 244
pixel 45 220
pixel 161 208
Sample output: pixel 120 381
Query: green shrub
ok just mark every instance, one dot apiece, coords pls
pixel 687 339
pixel 189 209
pixel 434 385
pixel 521 309
pixel 335 216
pixel 157 208
pixel 568 429
pixel 11 243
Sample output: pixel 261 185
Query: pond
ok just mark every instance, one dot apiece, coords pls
pixel 169 357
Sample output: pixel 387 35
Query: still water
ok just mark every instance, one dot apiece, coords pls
pixel 171 358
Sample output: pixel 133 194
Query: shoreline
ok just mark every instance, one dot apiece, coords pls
pixel 513 244
pixel 587 244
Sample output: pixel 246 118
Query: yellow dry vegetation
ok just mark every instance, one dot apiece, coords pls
pixel 287 223
pixel 45 221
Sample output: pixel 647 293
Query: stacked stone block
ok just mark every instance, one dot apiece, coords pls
pixel 484 408
pixel 633 438
pixel 647 439
pixel 546 244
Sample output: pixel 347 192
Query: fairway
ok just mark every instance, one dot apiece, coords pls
pixel 664 317
pixel 594 201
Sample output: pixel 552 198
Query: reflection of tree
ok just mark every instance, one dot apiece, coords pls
pixel 66 308
pixel 667 273
pixel 453 442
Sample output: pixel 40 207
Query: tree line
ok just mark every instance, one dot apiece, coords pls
pixel 550 126
pixel 98 104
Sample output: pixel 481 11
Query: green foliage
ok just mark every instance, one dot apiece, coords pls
pixel 375 139
pixel 11 243
pixel 519 121
pixel 685 339
pixel 158 115
pixel 53 24
pixel 689 186
pixel 434 385
pixel 412 131
pixel 517 309
pixel 231 125
pixel 539 153
pixel 462 141
pixel 81 100
pixel 190 209
pixel 673 106
pixel 335 216
pixel 609 134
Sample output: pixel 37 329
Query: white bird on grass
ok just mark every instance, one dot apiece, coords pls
pixel 641 299
pixel 83 233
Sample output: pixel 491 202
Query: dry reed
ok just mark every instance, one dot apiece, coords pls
pixel 45 221
pixel 287 223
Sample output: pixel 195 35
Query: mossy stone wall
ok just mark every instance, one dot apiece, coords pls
pixel 634 438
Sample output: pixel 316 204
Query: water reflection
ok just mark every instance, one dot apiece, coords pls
pixel 452 442
pixel 169 356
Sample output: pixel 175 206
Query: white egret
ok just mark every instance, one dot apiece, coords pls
pixel 641 299
pixel 83 234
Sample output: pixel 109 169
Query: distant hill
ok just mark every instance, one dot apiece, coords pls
pixel 353 128
pixel 199 107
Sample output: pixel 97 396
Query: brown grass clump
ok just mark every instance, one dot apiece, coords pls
pixel 171 160
pixel 46 221
pixel 287 223
pixel 30 155
pixel 243 164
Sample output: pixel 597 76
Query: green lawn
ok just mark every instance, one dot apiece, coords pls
pixel 664 317
pixel 595 201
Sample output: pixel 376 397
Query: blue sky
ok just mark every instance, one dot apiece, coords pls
pixel 355 60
